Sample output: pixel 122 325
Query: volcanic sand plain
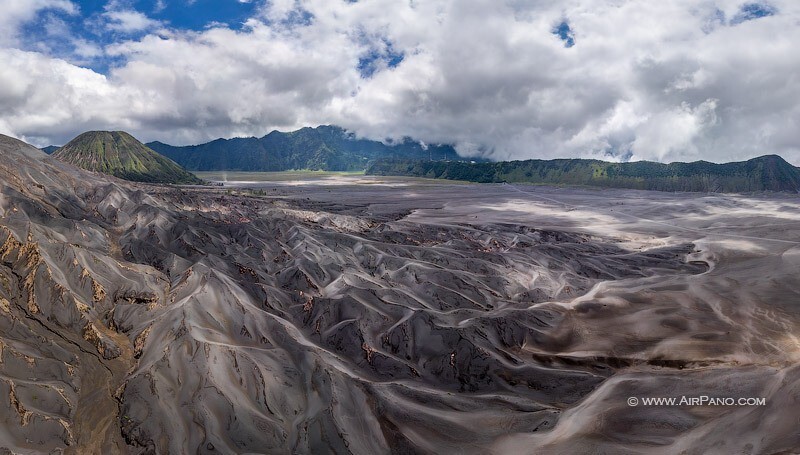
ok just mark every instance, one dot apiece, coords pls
pixel 349 313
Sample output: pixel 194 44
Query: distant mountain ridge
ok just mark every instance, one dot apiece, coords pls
pixel 327 148
pixel 765 173
pixel 119 154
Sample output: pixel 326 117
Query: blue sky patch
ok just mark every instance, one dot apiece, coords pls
pixel 565 33
pixel 752 11
pixel 197 14
pixel 376 58
pixel 182 14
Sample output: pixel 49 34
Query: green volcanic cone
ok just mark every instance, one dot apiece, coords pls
pixel 119 154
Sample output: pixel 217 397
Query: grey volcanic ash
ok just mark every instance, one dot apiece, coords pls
pixel 399 317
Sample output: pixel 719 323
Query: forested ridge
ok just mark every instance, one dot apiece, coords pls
pixel 765 173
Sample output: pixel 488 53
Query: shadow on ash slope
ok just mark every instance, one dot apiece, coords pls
pixel 137 319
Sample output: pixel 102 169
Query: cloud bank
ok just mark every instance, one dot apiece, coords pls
pixel 611 79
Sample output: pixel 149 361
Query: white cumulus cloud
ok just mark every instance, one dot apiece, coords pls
pixel 680 80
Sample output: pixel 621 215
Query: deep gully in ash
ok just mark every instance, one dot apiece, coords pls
pixel 242 324
pixel 409 314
